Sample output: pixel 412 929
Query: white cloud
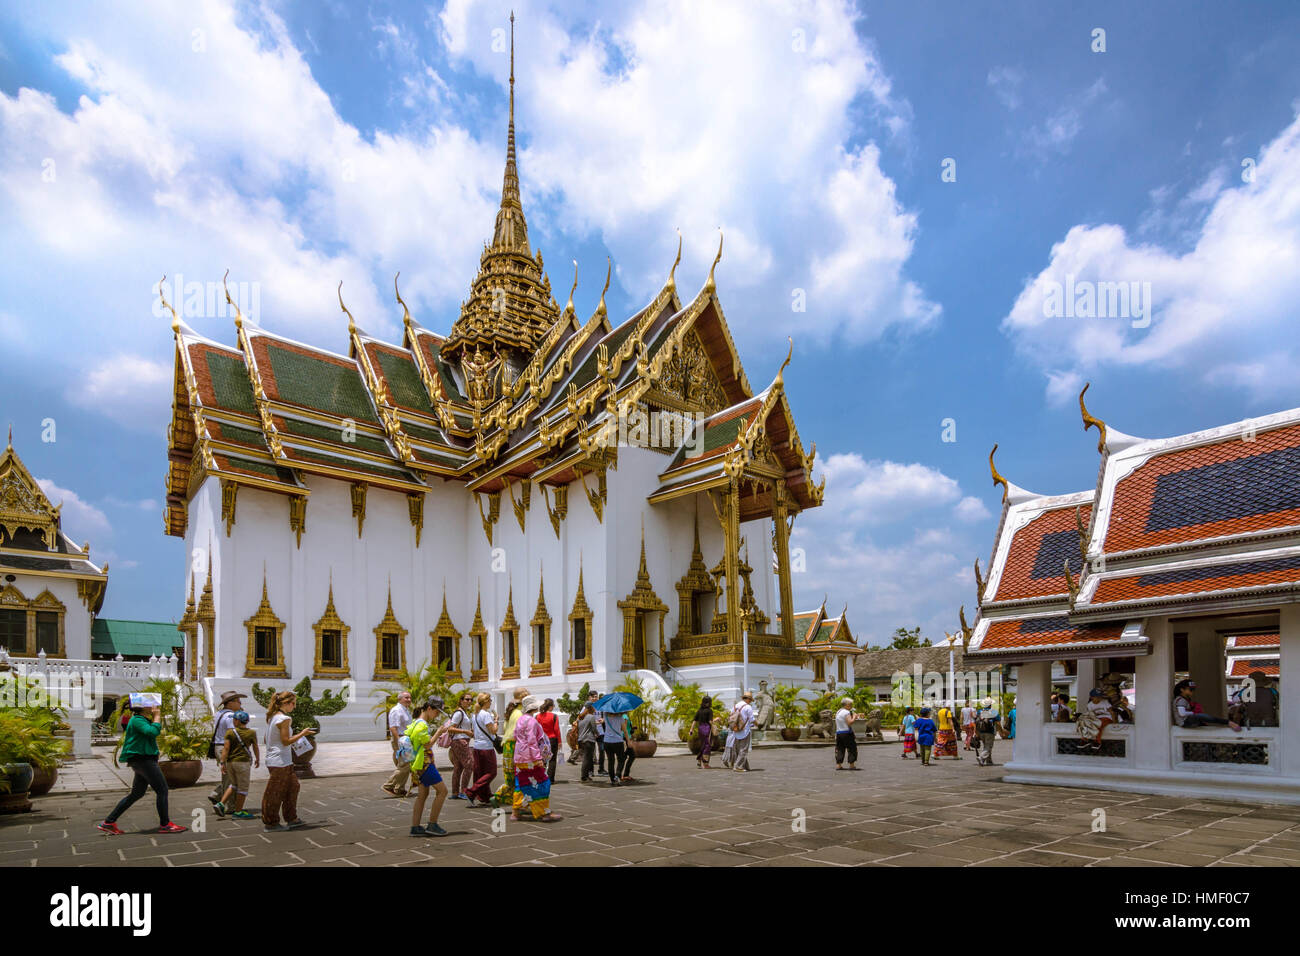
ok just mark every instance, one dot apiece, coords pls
pixel 1005 82
pixel 971 508
pixel 80 519
pixel 132 390
pixel 1056 134
pixel 883 542
pixel 1223 310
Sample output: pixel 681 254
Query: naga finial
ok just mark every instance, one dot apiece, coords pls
pixel 709 284
pixel 1089 421
pixel 352 324
pixel 672 273
pixel 997 476
pixel 780 373
pixel 979 580
pixel 239 318
pixel 176 319
pixel 609 271
pixel 966 629
pixel 406 313
pixel 569 306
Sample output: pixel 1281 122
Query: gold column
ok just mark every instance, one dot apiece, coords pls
pixel 731 554
pixel 783 562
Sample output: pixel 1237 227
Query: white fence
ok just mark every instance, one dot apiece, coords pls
pixel 48 668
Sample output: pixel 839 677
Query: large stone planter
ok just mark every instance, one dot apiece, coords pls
pixel 181 773
pixel 19 778
pixel 43 781
pixel 644 748
pixel 791 733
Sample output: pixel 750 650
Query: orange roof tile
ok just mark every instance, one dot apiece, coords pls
pixel 1256 572
pixel 1226 488
pixel 1036 558
pixel 1041 631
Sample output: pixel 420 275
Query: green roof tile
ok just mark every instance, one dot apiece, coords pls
pixel 109 638
pixel 403 379
pixel 230 382
pixel 320 384
pixel 329 433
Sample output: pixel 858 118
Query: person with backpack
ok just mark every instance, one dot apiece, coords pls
pixel 232 703
pixel 399 715
pixel 140 752
pixel 483 747
pixel 616 742
pixel 742 736
pixel 968 730
pixel 926 732
pixel 986 730
pixel 238 754
pixel 588 728
pixel 459 732
pixel 907 730
pixel 421 732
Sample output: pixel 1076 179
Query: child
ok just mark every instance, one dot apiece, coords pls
pixel 925 732
pixel 235 767
pixel 908 732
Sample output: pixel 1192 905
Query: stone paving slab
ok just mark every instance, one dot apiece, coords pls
pixel 796 812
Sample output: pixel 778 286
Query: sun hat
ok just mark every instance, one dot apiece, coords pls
pixel 530 704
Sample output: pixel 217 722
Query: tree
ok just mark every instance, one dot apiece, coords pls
pixel 905 639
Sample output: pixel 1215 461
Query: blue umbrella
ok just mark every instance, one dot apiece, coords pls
pixel 619 702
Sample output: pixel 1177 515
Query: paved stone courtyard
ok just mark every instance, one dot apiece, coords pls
pixel 890 813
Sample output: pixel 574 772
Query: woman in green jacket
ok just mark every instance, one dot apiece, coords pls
pixel 140 751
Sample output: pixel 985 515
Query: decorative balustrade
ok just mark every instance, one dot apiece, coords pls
pixel 58 669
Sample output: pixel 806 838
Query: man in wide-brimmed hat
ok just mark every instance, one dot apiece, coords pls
pixel 232 702
pixel 742 734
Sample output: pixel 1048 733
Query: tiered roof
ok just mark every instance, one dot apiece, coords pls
pixel 815 631
pixel 1205 521
pixel 270 410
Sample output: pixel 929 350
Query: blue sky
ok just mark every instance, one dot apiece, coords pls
pixel 301 143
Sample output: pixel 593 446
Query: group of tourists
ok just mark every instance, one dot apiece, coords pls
pixel 933 732
pixel 236 750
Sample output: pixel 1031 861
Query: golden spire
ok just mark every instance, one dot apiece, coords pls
pixel 10 445
pixel 997 476
pixel 511 228
pixel 569 306
pixel 1089 421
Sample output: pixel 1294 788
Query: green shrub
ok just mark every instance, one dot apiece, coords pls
pixel 308 708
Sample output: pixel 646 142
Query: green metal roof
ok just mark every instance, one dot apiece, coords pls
pixel 134 638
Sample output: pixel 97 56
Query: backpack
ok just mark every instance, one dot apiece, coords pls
pixel 738 719
pixel 985 725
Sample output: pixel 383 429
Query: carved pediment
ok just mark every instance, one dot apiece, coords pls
pixel 22 503
pixel 689 379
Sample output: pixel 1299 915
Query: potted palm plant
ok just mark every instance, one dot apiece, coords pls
pixel 186 729
pixel 304 715
pixel 682 706
pixel 34 737
pixel 645 719
pixel 790 710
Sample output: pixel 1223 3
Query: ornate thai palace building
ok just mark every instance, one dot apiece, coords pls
pixel 348 515
pixel 1183 562
pixel 51 594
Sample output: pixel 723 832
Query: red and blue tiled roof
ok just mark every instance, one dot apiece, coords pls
pixel 1230 487
pixel 1200 579
pixel 1035 563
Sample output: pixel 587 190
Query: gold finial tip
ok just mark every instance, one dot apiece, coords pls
pixel 780 373
pixel 710 284
pixel 672 273
pixel 352 325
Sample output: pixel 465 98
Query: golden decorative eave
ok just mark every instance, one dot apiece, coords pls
pixel 22 503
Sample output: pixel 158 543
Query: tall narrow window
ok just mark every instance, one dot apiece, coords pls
pixel 391 655
pixel 13 632
pixel 510 641
pixel 264 647
pixel 47 632
pixel 331 643
pixel 390 644
pixel 579 639
pixel 842 674
pixel 580 632
pixel 540 626
pixel 819 668
pixel 540 640
pixel 331 648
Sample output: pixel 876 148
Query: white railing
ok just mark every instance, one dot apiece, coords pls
pixel 47 667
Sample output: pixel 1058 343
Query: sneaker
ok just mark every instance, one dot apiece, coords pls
pixel 276 828
pixel 220 807
pixel 213 800
pixel 739 770
pixel 110 828
pixel 172 828
pixel 243 815
pixel 420 832
pixel 295 825
pixel 459 796
pixel 434 830
pixel 390 790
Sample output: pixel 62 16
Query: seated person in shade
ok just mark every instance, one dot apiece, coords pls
pixel 1188 713
pixel 1255 702
pixel 1093 718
